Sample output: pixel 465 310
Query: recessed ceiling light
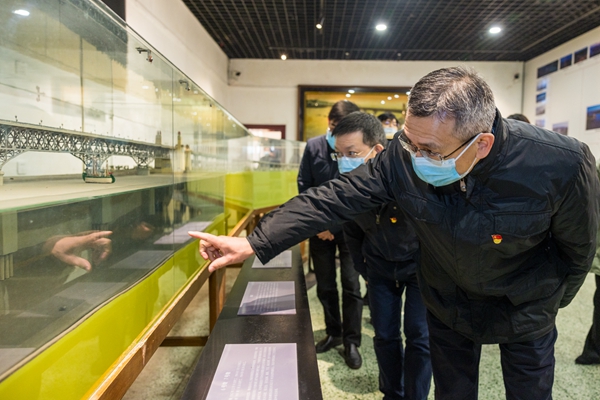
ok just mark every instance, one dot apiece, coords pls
pixel 408 93
pixel 382 101
pixel 396 96
pixel 381 27
pixel 348 95
pixel 319 26
pixel 283 57
pixel 389 97
pixel 495 29
pixel 23 13
pixel 351 91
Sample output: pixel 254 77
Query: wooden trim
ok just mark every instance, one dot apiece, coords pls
pixel 121 377
pixel 124 372
pixel 280 128
pixel 176 341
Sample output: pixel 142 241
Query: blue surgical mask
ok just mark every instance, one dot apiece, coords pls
pixel 330 139
pixel 347 164
pixel 389 131
pixel 440 173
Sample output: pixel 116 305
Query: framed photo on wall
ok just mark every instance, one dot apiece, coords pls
pixel 315 103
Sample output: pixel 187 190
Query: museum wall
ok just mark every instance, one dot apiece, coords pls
pixel 266 91
pixel 569 91
pixel 174 31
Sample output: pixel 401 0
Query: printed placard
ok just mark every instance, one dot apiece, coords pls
pixel 269 298
pixel 266 371
pixel 283 260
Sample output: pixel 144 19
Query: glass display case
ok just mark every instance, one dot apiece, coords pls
pixel 108 156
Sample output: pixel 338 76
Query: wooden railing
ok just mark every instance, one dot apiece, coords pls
pixel 131 365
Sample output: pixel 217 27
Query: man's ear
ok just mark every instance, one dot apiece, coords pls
pixel 484 144
pixel 378 148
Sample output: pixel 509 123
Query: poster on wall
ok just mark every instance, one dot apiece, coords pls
pixel 561 127
pixel 566 61
pixel 580 55
pixel 541 109
pixel 542 84
pixel 540 122
pixel 548 69
pixel 540 97
pixel 593 117
pixel 594 50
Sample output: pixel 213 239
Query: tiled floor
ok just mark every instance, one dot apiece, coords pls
pixel 168 371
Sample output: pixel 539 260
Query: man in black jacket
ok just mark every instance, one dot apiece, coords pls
pixel 318 166
pixel 506 214
pixel 390 268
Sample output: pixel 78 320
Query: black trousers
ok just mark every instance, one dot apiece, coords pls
pixel 348 323
pixel 591 349
pixel 527 367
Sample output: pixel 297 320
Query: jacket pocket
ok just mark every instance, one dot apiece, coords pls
pixel 422 209
pixel 540 283
pixel 522 225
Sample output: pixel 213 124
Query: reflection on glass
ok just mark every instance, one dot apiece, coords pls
pixel 83 96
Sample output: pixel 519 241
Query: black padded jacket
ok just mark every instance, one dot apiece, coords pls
pixel 498 259
pixel 383 242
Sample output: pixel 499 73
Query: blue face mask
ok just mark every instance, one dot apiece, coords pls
pixel 440 173
pixel 330 139
pixel 389 131
pixel 347 164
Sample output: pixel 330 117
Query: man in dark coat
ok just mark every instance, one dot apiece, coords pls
pixel 390 268
pixel 506 214
pixel 318 165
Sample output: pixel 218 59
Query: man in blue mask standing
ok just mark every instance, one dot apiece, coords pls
pixel 506 214
pixel 390 267
pixel 318 165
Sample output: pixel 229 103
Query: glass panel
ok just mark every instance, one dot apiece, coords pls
pixel 109 155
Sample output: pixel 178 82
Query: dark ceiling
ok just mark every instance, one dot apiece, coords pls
pixel 417 29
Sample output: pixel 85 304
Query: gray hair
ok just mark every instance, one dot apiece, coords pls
pixel 458 93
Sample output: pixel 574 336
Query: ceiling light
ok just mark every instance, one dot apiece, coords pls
pixel 382 101
pixel 396 96
pixel 495 29
pixel 319 26
pixel 321 22
pixel 351 91
pixel 408 93
pixel 23 13
pixel 389 97
pixel 283 57
pixel 381 27
pixel 348 95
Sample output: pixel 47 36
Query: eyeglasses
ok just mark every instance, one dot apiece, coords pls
pixel 352 154
pixel 431 155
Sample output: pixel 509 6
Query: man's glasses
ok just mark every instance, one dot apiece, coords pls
pixel 432 156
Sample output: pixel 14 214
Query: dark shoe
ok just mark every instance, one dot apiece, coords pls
pixel 587 360
pixel 328 343
pixel 352 356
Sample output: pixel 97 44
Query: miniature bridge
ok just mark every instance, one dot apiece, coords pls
pixel 92 149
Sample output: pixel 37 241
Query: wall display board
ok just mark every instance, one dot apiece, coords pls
pixel 567 100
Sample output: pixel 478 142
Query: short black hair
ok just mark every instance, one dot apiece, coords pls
pixel 385 116
pixel 340 109
pixel 519 117
pixel 370 127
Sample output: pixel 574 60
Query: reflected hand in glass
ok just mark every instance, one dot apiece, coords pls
pixel 68 249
